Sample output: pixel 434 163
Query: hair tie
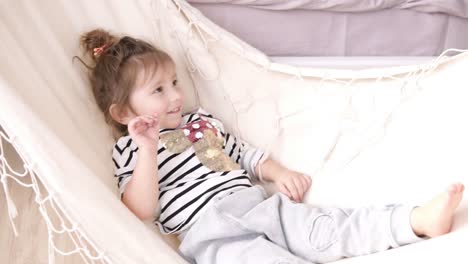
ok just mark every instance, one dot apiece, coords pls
pixel 98 51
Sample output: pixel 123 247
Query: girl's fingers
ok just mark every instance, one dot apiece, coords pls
pixel 153 121
pixel 140 129
pixel 299 187
pixel 140 124
pixel 144 121
pixel 306 179
pixel 284 190
pixel 147 119
pixel 305 182
pixel 309 180
pixel 137 121
pixel 304 187
pixel 293 190
pixel 132 126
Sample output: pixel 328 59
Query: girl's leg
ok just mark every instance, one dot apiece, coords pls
pixel 248 227
pixel 248 249
pixel 328 234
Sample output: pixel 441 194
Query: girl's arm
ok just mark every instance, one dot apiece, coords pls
pixel 141 195
pixel 142 192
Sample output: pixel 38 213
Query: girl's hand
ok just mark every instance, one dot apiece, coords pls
pixel 293 184
pixel 144 130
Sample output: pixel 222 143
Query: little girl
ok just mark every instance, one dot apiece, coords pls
pixel 218 214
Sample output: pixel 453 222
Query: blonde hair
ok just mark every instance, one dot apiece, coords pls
pixel 117 65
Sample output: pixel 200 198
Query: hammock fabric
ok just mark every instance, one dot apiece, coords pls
pixel 372 136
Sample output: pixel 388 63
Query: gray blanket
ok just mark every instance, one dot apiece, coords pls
pixel 452 7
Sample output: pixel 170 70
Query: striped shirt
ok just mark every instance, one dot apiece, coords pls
pixel 186 186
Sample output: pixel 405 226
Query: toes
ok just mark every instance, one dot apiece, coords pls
pixel 452 189
pixel 459 187
pixel 456 188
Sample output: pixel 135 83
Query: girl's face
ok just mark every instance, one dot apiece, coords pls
pixel 158 94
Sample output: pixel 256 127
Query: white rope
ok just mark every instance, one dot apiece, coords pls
pixel 197 23
pixel 80 246
pixel 7 175
pixel 82 234
pixel 69 231
pixel 242 107
pixel 12 211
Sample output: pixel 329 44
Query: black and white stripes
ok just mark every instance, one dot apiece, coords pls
pixel 187 187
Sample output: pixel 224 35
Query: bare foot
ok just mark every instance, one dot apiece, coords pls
pixel 435 217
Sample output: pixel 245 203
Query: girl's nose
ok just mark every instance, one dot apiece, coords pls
pixel 175 95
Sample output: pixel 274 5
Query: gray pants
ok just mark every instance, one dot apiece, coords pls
pixel 245 227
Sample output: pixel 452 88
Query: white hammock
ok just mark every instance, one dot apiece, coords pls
pixel 371 136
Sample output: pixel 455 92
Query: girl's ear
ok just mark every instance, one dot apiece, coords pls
pixel 123 115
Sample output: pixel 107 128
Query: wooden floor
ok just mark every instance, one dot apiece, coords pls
pixel 31 245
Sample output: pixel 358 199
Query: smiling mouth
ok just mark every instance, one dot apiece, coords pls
pixel 176 110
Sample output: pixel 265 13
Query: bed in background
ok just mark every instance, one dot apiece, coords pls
pixel 343 27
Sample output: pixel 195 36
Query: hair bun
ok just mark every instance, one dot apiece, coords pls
pixel 95 42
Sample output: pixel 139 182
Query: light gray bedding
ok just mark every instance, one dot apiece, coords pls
pixel 450 7
pixel 382 32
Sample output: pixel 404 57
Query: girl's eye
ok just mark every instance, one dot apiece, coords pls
pixel 158 90
pixel 174 82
